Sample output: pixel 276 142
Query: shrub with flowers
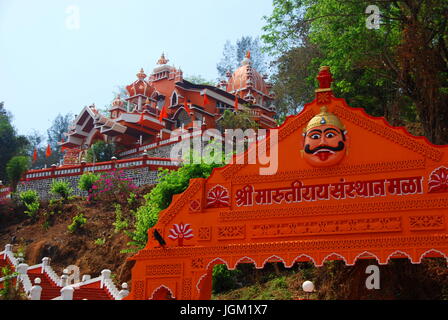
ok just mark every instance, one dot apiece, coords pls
pixel 112 186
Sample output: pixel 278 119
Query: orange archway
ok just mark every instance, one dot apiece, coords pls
pixel 348 186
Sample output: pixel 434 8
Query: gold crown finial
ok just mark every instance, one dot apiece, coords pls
pixel 324 118
pixel 162 59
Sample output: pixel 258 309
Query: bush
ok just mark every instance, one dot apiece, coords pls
pixel 77 222
pixel 15 168
pixel 112 186
pixel 170 183
pixel 61 188
pixel 120 223
pixel 33 208
pixel 87 180
pixel 224 279
pixel 101 151
pixel 28 197
pixel 100 241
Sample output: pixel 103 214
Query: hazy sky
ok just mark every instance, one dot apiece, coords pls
pixel 51 62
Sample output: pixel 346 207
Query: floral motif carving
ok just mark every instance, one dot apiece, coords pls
pixel 438 180
pixel 204 233
pixel 180 232
pixel 198 263
pixel 195 205
pixel 427 222
pixel 231 232
pixel 218 197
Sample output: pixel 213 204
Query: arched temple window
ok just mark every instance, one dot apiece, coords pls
pixel 182 118
pixel 174 99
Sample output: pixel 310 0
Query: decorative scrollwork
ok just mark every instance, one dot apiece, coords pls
pixel 163 269
pixel 389 133
pixel 231 232
pixel 434 222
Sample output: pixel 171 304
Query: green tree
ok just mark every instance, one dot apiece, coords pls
pixel 55 134
pixel 15 168
pixel 170 183
pixel 11 144
pixel 101 151
pixel 233 54
pixel 399 70
pixel 240 119
pixel 198 79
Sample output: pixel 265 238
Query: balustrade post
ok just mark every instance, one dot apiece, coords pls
pixel 36 290
pixel 83 165
pixel 114 162
pixel 45 263
pixel 124 292
pixel 53 170
pixel 145 157
pixel 86 277
pixel 67 293
pixel 21 269
pixel 105 274
pixel 64 280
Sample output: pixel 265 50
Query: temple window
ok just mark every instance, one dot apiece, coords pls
pixel 182 118
pixel 174 99
pixel 222 106
pixel 160 102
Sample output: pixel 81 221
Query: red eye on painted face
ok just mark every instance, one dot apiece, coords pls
pixel 315 136
pixel 330 135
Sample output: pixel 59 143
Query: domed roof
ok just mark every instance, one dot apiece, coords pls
pixel 140 86
pixel 162 65
pixel 245 77
pixel 117 103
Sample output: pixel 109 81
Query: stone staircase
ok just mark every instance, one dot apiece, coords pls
pixel 49 286
pixel 50 290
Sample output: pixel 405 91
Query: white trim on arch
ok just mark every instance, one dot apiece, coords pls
pixel 160 287
pixel 302 255
pixel 366 252
pixel 241 259
pixel 331 254
pixel 273 256
pixel 432 250
pixel 399 252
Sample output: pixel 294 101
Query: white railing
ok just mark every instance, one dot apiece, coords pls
pixel 110 286
pixel 8 254
pixel 22 270
pixel 46 268
pixel 105 282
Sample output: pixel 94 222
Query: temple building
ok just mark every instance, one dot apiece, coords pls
pixel 164 103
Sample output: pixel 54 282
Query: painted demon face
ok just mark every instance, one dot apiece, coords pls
pixel 324 146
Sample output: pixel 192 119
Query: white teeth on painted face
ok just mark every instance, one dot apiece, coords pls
pixel 324 150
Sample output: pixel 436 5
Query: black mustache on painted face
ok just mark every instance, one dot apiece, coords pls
pixel 341 146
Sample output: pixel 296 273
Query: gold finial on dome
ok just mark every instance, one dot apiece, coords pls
pixel 162 60
pixel 324 118
pixel 247 60
pixel 141 75
pixel 118 102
